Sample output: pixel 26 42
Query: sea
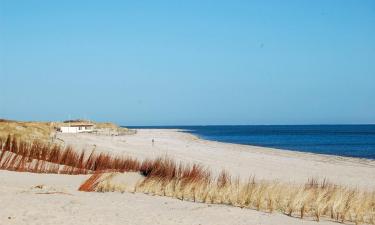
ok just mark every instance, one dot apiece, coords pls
pixel 341 140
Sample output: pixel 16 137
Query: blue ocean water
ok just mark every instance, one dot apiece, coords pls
pixel 343 140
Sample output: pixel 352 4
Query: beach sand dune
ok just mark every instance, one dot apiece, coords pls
pixel 53 199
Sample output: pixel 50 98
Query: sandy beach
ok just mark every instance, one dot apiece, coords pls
pixel 240 160
pixel 54 199
pixel 61 203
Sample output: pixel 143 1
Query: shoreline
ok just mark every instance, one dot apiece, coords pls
pixel 240 160
pixel 289 151
pixel 363 161
pixel 275 149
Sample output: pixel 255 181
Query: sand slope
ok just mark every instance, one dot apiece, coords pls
pixel 22 203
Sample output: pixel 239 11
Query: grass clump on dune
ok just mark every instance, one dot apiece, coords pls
pixel 314 199
pixel 38 157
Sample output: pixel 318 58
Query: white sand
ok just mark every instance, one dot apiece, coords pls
pixel 242 160
pixel 63 204
pixel 53 199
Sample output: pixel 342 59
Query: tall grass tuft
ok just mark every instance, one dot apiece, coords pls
pixel 17 155
pixel 314 199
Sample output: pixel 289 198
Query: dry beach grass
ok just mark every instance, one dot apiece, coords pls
pixel 193 183
pixel 26 130
pixel 18 155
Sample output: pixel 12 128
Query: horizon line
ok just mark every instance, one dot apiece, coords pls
pixel 323 124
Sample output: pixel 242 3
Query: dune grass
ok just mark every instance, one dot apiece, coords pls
pixel 314 199
pixel 38 157
pixel 26 130
pixel 166 177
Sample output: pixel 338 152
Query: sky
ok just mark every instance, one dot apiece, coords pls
pixel 189 62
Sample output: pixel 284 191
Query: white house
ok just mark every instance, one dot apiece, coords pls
pixel 76 128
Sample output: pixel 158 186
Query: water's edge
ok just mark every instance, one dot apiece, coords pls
pixel 356 141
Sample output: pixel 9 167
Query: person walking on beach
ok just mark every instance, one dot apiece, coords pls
pixel 153 142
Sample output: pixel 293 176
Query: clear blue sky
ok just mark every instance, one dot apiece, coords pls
pixel 188 62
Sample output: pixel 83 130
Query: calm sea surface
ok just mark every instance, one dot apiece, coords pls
pixel 343 140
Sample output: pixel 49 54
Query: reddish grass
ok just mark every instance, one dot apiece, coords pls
pixel 162 169
pixel 91 183
pixel 17 155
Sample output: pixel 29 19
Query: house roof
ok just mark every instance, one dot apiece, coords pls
pixel 76 124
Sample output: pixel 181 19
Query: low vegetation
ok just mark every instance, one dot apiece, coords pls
pixel 194 183
pixel 165 177
pixel 26 130
pixel 16 155
pixel 44 131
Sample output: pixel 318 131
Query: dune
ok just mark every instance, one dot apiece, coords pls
pixel 59 202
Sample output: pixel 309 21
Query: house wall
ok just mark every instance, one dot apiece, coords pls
pixel 75 129
pixel 69 129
